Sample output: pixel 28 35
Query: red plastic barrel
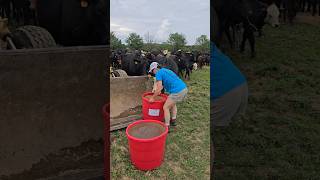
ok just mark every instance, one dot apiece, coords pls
pixel 153 110
pixel 106 117
pixel 147 153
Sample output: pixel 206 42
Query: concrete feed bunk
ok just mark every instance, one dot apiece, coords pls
pixel 125 99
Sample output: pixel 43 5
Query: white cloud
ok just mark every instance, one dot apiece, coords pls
pixel 114 25
pixel 163 32
pixel 125 29
pixel 120 29
pixel 160 18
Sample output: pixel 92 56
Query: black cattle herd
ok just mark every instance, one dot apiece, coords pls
pixel 70 22
pixel 136 63
pixel 20 10
pixel 251 14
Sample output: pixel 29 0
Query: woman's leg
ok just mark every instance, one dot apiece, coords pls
pixel 166 108
pixel 174 111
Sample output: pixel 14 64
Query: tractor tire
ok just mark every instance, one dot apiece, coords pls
pixel 120 73
pixel 31 37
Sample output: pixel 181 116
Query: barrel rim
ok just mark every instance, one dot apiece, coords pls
pixel 156 101
pixel 104 109
pixel 146 140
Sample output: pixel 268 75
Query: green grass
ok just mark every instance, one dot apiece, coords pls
pixel 187 153
pixel 279 138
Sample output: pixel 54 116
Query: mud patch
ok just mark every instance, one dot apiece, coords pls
pixel 132 111
pixel 146 130
pixel 308 19
pixel 89 155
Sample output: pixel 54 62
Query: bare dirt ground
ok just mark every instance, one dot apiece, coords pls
pixel 307 19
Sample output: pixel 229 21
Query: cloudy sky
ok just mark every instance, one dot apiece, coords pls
pixel 159 18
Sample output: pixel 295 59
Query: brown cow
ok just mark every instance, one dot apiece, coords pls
pixel 201 61
pixel 4 31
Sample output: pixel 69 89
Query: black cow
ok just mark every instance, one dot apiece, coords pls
pixel 167 63
pixel 5 9
pixel 190 59
pixel 302 5
pixel 134 64
pixel 251 13
pixel 18 10
pixel 22 12
pixel 162 60
pixel 116 59
pixel 290 8
pixel 184 62
pixel 312 5
pixel 203 60
pixel 73 23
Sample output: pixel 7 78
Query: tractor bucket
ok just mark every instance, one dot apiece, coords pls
pixel 51 99
pixel 126 99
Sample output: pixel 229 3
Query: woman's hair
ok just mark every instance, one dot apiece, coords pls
pixel 151 73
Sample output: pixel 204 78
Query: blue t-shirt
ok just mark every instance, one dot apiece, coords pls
pixel 170 81
pixel 225 76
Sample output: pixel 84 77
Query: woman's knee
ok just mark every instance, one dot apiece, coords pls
pixel 168 105
pixel 165 107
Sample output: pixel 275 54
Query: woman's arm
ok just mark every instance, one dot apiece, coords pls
pixel 157 91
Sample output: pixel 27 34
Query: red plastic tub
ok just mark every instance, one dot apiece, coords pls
pixel 147 139
pixel 153 110
pixel 106 118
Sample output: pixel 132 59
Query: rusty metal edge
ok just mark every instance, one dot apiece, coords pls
pixel 55 49
pixel 123 122
pixel 128 77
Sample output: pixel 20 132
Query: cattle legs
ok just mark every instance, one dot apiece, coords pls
pixel 181 73
pixel 252 44
pixel 309 6
pixel 302 5
pixel 248 34
pixel 187 75
pixel 314 7
pixel 231 42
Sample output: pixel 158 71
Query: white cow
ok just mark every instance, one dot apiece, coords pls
pixel 273 14
pixel 195 66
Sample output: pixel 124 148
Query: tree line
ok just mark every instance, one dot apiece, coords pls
pixel 175 42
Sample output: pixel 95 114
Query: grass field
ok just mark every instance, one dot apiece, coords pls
pixel 279 138
pixel 187 149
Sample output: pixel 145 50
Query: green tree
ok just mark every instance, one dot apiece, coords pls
pixel 203 43
pixel 177 41
pixel 150 42
pixel 165 46
pixel 187 48
pixel 115 43
pixel 134 41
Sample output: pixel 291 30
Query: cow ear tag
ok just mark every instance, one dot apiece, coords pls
pixel 84 3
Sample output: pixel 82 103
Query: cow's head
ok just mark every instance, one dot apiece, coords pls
pixel 273 14
pixel 149 56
